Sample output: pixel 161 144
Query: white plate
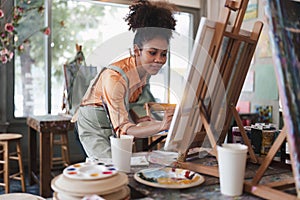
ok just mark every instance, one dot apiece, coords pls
pixel 20 196
pixel 167 177
pixel 90 171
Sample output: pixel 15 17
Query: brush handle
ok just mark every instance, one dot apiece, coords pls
pixel 108 117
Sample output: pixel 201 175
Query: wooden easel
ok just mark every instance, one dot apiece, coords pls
pixel 234 66
pixel 271 190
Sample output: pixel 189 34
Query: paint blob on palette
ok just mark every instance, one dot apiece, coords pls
pixel 90 171
pixel 167 177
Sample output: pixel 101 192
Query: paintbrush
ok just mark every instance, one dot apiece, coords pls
pixel 108 117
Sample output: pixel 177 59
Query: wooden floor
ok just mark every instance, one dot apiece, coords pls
pixel 15 186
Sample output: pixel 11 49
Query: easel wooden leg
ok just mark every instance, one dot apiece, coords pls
pixel 269 157
pixel 196 167
pixel 243 133
pixel 268 190
pixel 210 136
pixel 293 166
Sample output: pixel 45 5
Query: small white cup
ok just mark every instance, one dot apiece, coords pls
pixel 232 164
pixel 121 151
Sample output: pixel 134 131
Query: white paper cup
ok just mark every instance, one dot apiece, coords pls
pixel 121 150
pixel 232 164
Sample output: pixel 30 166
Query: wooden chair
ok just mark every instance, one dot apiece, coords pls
pixel 60 139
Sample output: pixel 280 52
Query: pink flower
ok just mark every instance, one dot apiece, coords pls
pixel 21 47
pixel 21 10
pixel 18 9
pixel 17 17
pixel 6 55
pixel 1 13
pixel 4 59
pixel 11 55
pixel 47 31
pixel 9 27
pixel 3 52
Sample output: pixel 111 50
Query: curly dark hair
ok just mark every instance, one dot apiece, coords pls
pixel 150 20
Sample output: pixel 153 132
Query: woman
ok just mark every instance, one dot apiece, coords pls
pixel 123 82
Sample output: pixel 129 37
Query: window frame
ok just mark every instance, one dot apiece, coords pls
pixel 7 71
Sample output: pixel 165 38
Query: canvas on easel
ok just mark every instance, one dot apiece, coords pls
pixel 221 58
pixel 283 17
pixel 184 121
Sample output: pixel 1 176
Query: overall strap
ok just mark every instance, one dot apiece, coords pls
pixel 118 69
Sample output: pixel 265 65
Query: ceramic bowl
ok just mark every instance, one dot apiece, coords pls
pixel 122 194
pixel 75 187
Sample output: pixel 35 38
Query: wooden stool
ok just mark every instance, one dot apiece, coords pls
pixel 60 139
pixel 5 140
pixel 40 129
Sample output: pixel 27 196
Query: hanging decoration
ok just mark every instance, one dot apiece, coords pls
pixel 9 21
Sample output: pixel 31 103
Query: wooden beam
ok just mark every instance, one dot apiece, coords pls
pixel 267 192
pixel 196 167
pixel 269 157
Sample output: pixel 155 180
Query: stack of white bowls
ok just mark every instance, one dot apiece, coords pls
pixel 85 179
pixel 20 196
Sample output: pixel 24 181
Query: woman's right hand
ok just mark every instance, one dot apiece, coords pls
pixel 147 128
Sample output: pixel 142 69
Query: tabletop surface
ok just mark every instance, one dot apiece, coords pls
pixel 47 118
pixel 210 189
pixel 50 122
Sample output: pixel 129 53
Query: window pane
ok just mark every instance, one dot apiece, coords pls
pixel 85 23
pixel 29 64
pixel 172 74
pixel 92 25
pixel 181 48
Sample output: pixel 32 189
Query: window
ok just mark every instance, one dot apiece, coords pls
pixel 29 66
pixel 167 85
pixel 92 25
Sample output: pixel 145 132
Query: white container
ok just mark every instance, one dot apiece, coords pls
pixel 232 163
pixel 121 151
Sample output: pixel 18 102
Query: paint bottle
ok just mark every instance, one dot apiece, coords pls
pixel 267 141
pixel 236 135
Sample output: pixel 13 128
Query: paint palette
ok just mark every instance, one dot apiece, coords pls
pixel 167 177
pixel 90 171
